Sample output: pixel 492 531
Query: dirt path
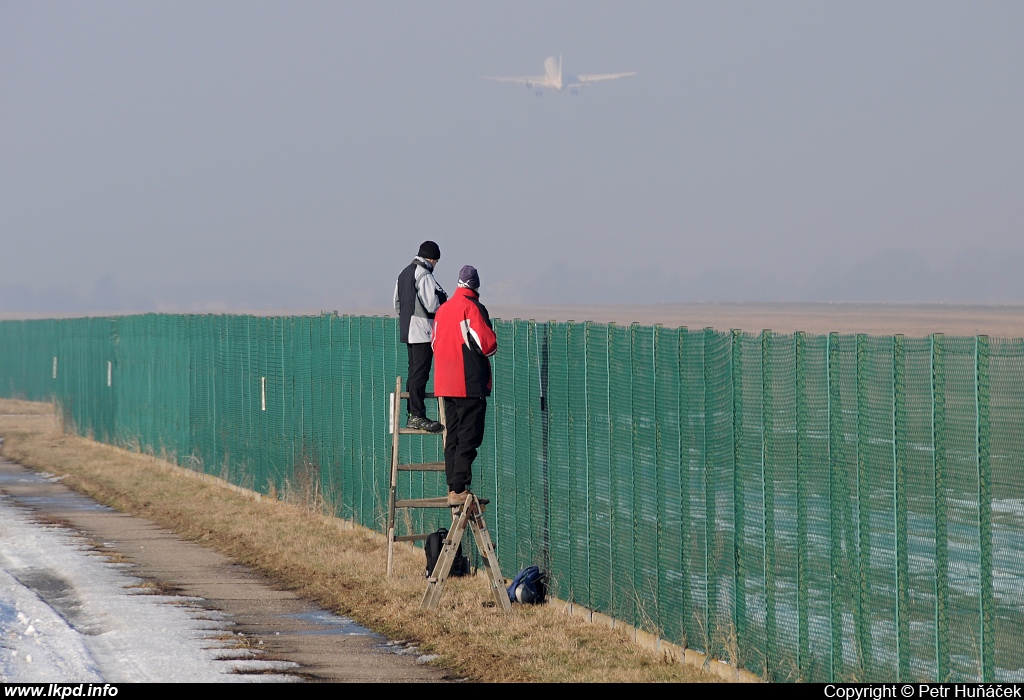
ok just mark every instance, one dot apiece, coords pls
pixel 276 622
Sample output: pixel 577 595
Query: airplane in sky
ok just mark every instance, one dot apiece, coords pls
pixel 554 79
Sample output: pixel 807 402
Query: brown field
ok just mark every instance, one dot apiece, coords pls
pixel 294 543
pixel 997 321
pixel 915 320
pixel 874 319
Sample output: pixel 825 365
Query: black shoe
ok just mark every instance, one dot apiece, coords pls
pixel 421 423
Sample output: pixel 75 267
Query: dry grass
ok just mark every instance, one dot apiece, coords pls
pixel 341 569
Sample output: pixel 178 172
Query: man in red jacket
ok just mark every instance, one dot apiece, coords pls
pixel 463 340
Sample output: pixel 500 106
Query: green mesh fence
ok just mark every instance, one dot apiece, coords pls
pixel 839 507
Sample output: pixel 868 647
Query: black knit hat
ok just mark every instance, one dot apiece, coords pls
pixel 429 250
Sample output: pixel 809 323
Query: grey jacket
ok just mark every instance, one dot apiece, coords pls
pixel 417 298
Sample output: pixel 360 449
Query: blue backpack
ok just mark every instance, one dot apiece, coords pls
pixel 529 586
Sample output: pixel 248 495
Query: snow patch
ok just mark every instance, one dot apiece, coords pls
pixel 68 616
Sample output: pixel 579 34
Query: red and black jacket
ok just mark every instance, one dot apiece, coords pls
pixel 463 340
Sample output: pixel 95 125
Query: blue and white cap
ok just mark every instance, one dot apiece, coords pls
pixel 468 277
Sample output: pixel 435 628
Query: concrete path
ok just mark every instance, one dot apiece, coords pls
pixel 273 622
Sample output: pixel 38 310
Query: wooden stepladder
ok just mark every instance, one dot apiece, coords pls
pixel 394 503
pixel 470 514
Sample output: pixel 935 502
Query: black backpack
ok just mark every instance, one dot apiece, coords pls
pixel 432 548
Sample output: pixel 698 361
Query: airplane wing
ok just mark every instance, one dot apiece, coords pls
pixel 583 80
pixel 528 80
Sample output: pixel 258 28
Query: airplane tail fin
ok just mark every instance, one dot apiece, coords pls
pixel 553 69
pixel 553 72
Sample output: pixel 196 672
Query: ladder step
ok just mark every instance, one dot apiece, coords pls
pixel 441 502
pixel 416 431
pixel 428 395
pixel 412 538
pixel 422 467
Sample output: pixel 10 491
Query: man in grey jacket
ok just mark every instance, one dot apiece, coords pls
pixel 417 298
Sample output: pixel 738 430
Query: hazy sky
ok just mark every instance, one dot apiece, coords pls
pixel 271 155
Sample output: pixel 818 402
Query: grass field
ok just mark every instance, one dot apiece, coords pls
pixel 341 568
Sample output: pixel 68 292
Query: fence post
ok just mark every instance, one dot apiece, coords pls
pixel 862 614
pixel 740 608
pixel 768 484
pixel 710 515
pixel 838 499
pixel 941 508
pixel 899 449
pixel 686 565
pixel 803 626
pixel 987 603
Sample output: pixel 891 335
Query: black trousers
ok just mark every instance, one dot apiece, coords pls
pixel 421 355
pixel 464 419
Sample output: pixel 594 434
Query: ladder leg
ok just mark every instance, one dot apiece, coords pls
pixel 483 543
pixel 443 417
pixel 392 489
pixel 438 577
pixel 391 550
